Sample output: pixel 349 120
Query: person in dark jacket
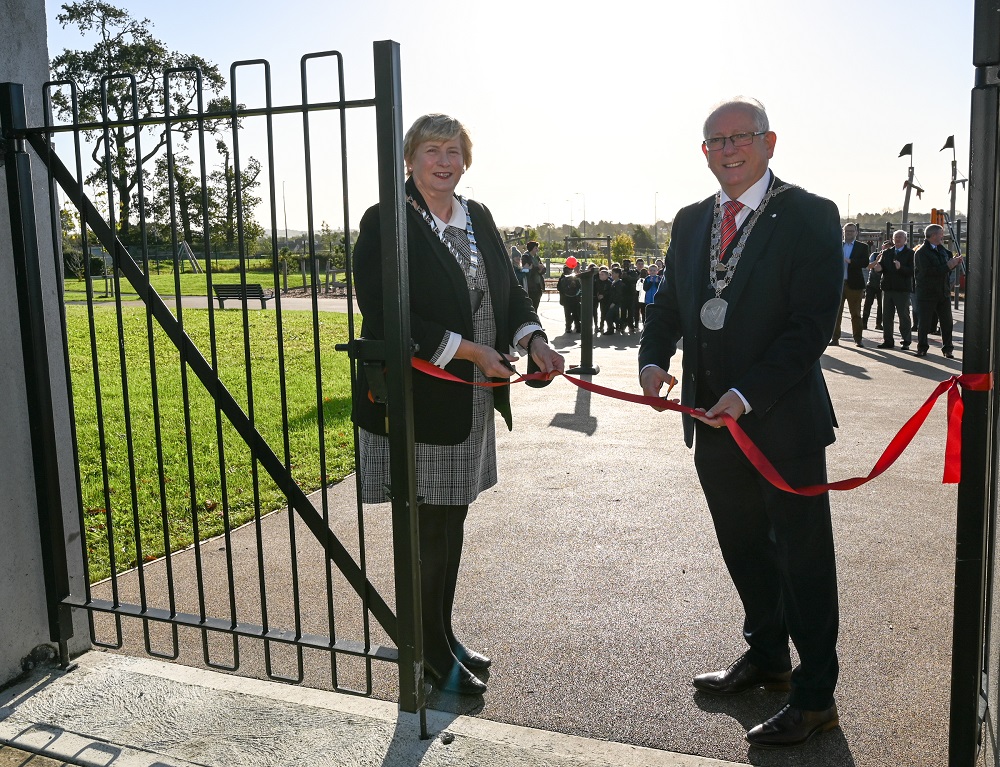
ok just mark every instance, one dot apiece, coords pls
pixel 895 270
pixel 628 308
pixel 932 269
pixel 602 294
pixel 536 274
pixel 754 334
pixel 467 312
pixel 873 290
pixel 855 260
pixel 621 293
pixel 570 290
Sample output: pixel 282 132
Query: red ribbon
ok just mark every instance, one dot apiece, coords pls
pixel 895 448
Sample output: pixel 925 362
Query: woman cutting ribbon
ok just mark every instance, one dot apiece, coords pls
pixel 467 311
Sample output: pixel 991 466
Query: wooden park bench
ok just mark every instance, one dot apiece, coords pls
pixel 224 291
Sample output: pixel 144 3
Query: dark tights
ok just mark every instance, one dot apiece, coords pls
pixel 442 532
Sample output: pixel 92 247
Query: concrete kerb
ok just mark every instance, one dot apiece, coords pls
pixel 134 712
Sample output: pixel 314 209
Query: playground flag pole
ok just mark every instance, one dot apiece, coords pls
pixel 907 150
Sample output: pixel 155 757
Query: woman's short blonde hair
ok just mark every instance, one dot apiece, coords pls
pixel 436 127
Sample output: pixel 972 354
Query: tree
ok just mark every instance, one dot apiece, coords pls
pixel 621 245
pixel 72 250
pixel 126 44
pixel 223 198
pixel 332 244
pixel 641 238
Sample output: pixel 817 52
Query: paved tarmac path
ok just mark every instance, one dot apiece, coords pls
pixel 591 573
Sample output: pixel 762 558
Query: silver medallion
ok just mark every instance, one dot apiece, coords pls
pixel 713 313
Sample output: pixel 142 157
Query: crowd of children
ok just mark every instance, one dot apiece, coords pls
pixel 621 294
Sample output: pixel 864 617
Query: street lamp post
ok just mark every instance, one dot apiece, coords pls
pixel 548 230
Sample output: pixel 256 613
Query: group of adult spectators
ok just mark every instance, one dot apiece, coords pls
pixel 914 286
pixel 621 292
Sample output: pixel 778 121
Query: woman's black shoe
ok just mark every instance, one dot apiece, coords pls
pixel 470 658
pixel 458 679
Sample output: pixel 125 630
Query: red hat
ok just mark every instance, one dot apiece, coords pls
pixel 571 262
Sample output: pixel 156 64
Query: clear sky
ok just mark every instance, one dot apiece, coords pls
pixel 601 104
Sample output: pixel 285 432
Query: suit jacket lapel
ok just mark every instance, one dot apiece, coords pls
pixel 756 247
pixel 697 267
pixel 494 263
pixel 449 266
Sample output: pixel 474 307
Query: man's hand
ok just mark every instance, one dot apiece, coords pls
pixel 652 378
pixel 952 263
pixel 729 403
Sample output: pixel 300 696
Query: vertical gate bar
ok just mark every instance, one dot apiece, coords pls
pixel 172 189
pixel 122 354
pixel 108 500
pixel 98 394
pixel 349 280
pixel 282 383
pixel 317 341
pixel 58 256
pixel 157 426
pixel 255 473
pixel 206 229
pixel 34 347
pixel 396 301
pixel 977 490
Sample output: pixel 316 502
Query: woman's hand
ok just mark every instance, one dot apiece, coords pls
pixel 487 359
pixel 547 358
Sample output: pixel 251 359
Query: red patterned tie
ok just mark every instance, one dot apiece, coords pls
pixel 732 208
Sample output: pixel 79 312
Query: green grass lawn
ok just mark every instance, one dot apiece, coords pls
pixel 191 284
pixel 196 489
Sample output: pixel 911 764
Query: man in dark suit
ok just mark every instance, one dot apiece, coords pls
pixel 932 269
pixel 855 262
pixel 895 265
pixel 873 288
pixel 754 279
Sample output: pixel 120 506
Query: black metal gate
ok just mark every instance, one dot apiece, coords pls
pixel 176 477
pixel 973 731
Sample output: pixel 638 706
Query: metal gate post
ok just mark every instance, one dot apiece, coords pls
pixel 396 305
pixel 976 493
pixel 34 346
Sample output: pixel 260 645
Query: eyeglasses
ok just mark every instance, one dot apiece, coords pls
pixel 716 143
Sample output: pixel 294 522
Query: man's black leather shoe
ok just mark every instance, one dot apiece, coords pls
pixel 884 345
pixel 742 676
pixel 792 727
